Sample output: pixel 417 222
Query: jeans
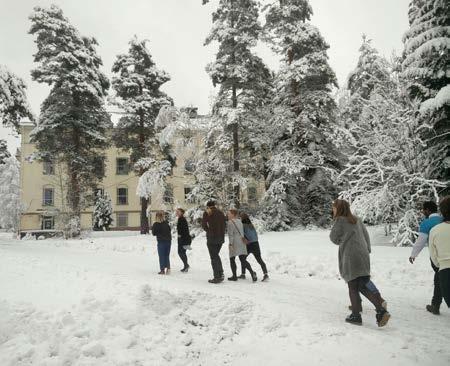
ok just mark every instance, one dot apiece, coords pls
pixel 244 264
pixel 359 285
pixel 444 281
pixel 437 295
pixel 164 254
pixel 216 262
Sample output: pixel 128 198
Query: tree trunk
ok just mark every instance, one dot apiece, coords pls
pixel 145 229
pixel 236 187
pixel 144 219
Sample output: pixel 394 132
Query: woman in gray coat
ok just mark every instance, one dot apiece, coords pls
pixel 354 261
pixel 237 245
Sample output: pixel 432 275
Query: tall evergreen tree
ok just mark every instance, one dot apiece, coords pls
pixel 73 122
pixel 103 212
pixel 137 82
pixel 13 100
pixel 426 68
pixel 4 153
pixel 243 78
pixel 11 206
pixel 304 158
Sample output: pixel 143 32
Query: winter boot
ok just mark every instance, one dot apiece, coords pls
pixel 161 272
pixel 242 276
pixel 382 317
pixel 232 278
pixel 433 309
pixel 354 318
pixel 185 269
pixel 254 277
pixel 265 278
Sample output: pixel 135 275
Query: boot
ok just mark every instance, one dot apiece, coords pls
pixel 161 272
pixel 232 278
pixel 382 317
pixel 254 277
pixel 242 276
pixel 265 278
pixel 354 318
pixel 185 269
pixel 433 309
pixel 216 280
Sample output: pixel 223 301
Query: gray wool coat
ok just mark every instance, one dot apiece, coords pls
pixel 235 233
pixel 354 248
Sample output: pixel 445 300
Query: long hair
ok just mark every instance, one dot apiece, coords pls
pixel 343 210
pixel 246 220
pixel 160 216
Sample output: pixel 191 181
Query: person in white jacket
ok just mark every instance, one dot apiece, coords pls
pixel 439 244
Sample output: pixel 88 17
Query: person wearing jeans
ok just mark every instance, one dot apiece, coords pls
pixel 161 230
pixel 432 218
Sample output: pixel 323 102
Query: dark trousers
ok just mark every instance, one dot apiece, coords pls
pixel 437 295
pixel 216 263
pixel 444 281
pixel 182 255
pixel 244 264
pixel 164 254
pixel 253 248
pixel 357 286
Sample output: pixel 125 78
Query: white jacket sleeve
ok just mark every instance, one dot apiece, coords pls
pixel 433 251
pixel 421 242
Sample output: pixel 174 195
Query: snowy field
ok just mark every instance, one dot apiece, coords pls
pixel 99 301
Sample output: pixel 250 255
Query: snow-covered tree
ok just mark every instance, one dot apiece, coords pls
pixel 137 82
pixel 73 122
pixel 13 99
pixel 103 212
pixel 426 69
pixel 244 87
pixel 10 204
pixel 304 159
pixel 4 153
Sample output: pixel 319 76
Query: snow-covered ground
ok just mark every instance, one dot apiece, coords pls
pixel 99 301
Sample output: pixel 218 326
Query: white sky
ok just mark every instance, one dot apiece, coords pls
pixel 177 29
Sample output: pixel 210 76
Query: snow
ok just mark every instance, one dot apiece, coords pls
pixel 99 301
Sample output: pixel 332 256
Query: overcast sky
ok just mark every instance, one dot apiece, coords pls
pixel 176 30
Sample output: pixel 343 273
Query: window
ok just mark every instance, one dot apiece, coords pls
pixel 168 194
pixel 252 196
pixel 48 197
pixel 187 192
pixel 122 219
pixel 48 168
pixel 48 223
pixel 99 166
pixel 122 196
pixel 122 166
pixel 189 166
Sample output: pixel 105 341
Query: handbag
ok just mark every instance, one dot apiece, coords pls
pixel 243 238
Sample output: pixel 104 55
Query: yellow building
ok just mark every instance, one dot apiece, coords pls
pixel 42 187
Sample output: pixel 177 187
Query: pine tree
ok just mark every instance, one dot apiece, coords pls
pixel 244 85
pixel 11 206
pixel 103 212
pixel 137 84
pixel 4 153
pixel 13 100
pixel 304 159
pixel 425 67
pixel 73 122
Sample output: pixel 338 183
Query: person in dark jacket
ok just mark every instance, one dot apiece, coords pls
pixel 252 246
pixel 161 230
pixel 184 238
pixel 213 223
pixel 354 261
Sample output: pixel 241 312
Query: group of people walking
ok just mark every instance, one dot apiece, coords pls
pixel 348 232
pixel 243 240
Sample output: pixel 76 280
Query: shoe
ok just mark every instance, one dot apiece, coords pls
pixel 382 317
pixel 216 280
pixel 354 319
pixel 265 278
pixel 242 277
pixel 185 269
pixel 254 277
pixel 161 272
pixel 433 309
pixel 232 278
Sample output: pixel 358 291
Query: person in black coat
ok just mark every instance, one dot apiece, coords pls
pixel 161 230
pixel 184 238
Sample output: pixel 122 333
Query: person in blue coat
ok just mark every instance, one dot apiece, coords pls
pixel 253 245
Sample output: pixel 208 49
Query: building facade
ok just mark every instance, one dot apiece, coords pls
pixel 43 186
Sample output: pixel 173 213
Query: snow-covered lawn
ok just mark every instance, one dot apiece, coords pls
pixel 99 301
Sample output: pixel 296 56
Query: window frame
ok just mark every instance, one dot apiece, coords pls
pixel 127 166
pixel 48 167
pixel 118 203
pixel 45 201
pixel 45 219
pixel 122 215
